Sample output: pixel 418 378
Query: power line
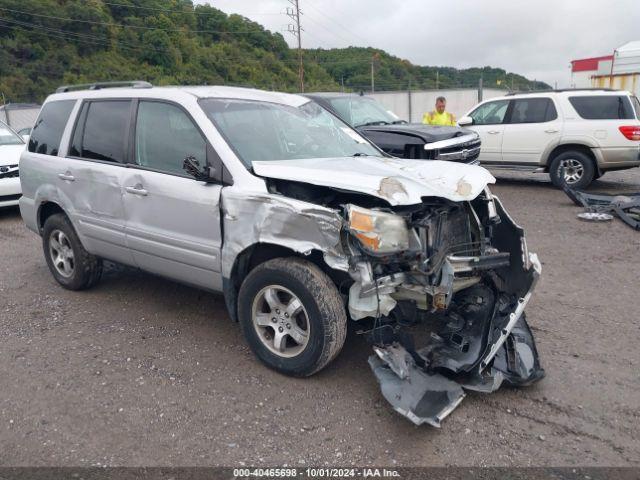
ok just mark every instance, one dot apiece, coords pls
pixel 178 12
pixel 336 22
pixel 325 28
pixel 118 25
pixel 95 39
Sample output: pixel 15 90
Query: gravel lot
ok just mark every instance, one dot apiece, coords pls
pixel 144 371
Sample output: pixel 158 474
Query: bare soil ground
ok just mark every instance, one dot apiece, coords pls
pixel 144 371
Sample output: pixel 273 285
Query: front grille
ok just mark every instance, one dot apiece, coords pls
pixel 9 171
pixel 9 198
pixel 467 152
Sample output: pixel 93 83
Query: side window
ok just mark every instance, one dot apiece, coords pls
pixel 47 131
pixel 165 136
pixel 102 130
pixel 603 107
pixel 533 110
pixel 491 113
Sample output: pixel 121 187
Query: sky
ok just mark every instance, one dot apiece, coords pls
pixel 536 38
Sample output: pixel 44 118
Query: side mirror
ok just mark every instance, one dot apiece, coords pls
pixel 202 173
pixel 465 121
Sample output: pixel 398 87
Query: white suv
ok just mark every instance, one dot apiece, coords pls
pixel 588 132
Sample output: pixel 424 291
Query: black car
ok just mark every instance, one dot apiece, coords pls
pixel 398 137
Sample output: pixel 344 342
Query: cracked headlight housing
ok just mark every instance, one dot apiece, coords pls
pixel 378 232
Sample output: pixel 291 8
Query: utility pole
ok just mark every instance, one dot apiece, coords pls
pixel 409 100
pixel 374 58
pixel 373 81
pixel 295 29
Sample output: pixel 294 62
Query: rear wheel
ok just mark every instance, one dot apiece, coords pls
pixel 292 316
pixel 579 170
pixel 70 264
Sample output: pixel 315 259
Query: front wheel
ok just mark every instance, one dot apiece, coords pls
pixel 292 316
pixel 579 170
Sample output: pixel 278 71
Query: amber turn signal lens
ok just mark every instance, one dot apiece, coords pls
pixel 372 243
pixel 361 222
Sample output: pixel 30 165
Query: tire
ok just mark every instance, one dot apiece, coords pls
pixel 70 264
pixel 266 305
pixel 580 170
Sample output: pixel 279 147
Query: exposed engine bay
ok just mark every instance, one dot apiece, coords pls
pixel 457 275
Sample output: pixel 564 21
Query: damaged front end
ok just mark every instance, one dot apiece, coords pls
pixel 463 271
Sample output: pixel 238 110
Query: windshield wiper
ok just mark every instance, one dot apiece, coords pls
pixel 369 124
pixel 399 122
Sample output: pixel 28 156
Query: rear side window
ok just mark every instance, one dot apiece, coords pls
pixel 102 131
pixel 603 107
pixel 533 110
pixel 47 131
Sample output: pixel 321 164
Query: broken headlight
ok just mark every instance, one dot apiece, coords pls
pixel 378 232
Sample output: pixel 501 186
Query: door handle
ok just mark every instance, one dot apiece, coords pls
pixel 137 190
pixel 551 130
pixel 66 176
pixel 493 132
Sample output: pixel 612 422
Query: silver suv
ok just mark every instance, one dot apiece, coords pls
pixel 301 223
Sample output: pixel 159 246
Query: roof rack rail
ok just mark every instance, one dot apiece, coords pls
pixel 560 90
pixel 101 85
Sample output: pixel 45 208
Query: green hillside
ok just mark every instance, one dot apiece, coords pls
pixel 353 66
pixel 46 43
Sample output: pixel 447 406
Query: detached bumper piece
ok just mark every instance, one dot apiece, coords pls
pixel 480 343
pixel 626 207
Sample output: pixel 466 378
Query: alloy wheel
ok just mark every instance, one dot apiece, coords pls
pixel 281 321
pixel 573 171
pixel 61 253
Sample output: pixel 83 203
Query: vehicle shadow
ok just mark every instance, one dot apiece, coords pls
pixel 9 213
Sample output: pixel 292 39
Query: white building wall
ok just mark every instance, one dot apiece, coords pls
pixel 582 79
pixel 459 101
pixel 627 59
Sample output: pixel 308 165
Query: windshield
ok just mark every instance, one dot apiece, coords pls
pixel 259 131
pixel 7 137
pixel 361 111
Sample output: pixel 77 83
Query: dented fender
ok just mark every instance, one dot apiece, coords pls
pixel 250 218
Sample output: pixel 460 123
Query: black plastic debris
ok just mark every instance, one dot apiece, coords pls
pixel 626 207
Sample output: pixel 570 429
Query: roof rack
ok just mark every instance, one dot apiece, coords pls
pixel 101 85
pixel 560 90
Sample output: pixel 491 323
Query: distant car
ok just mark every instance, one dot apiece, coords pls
pixel 583 132
pixel 397 137
pixel 11 146
pixel 25 133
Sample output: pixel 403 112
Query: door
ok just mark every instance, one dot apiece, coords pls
pixel 488 121
pixel 532 127
pixel 172 220
pixel 93 174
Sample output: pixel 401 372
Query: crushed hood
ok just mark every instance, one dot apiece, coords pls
pixel 426 133
pixel 10 154
pixel 398 181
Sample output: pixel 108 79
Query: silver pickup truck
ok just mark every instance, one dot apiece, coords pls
pixel 300 222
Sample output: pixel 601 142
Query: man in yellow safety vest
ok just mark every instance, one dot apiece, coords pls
pixel 439 116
